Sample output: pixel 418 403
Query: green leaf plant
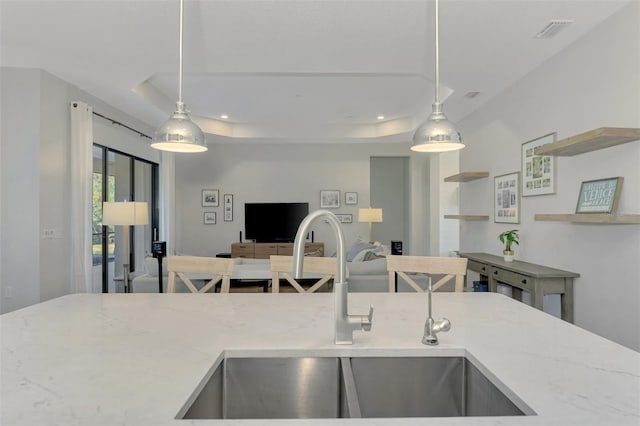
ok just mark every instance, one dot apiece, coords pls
pixel 508 238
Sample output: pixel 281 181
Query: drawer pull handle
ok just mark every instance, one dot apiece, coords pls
pixel 495 272
pixel 524 281
pixel 484 268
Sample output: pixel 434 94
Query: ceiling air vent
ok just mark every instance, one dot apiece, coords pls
pixel 553 27
pixel 471 95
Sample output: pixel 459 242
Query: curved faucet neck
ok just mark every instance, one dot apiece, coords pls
pixel 303 230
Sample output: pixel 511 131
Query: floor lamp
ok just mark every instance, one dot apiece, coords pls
pixel 370 215
pixel 125 214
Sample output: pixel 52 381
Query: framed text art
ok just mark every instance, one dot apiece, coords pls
pixel 345 218
pixel 351 198
pixel 329 199
pixel 506 198
pixel 538 171
pixel 599 196
pixel 210 198
pixel 209 218
pixel 228 207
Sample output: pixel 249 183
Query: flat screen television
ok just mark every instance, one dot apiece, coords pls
pixel 273 222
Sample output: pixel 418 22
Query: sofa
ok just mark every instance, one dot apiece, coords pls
pixel 367 270
pixel 147 282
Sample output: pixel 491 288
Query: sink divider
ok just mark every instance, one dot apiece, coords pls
pixel 351 393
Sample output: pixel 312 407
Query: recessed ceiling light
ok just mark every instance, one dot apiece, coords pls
pixel 380 117
pixel 224 116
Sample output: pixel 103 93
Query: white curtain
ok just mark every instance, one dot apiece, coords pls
pixel 167 200
pixel 81 196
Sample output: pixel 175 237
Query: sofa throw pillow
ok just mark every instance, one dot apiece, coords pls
pixel 360 256
pixel 372 255
pixel 374 267
pixel 357 247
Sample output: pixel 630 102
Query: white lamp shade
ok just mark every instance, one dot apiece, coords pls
pixel 125 213
pixel 370 215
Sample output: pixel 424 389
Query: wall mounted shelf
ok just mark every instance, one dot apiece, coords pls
pixel 611 219
pixel 604 137
pixel 466 176
pixel 466 216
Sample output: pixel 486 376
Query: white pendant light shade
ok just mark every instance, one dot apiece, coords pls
pixel 179 134
pixel 437 134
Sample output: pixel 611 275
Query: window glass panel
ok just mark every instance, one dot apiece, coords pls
pixel 96 236
pixel 119 177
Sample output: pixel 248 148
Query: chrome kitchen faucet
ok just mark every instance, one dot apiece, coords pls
pixel 344 323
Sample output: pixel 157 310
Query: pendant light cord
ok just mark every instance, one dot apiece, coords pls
pixel 180 56
pixel 437 57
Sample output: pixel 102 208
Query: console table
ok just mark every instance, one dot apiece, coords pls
pixel 265 250
pixel 536 279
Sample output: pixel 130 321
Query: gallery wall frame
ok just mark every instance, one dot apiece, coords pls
pixel 329 199
pixel 506 198
pixel 344 218
pixel 351 198
pixel 538 171
pixel 228 207
pixel 209 218
pixel 210 198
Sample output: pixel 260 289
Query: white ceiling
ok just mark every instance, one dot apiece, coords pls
pixel 292 70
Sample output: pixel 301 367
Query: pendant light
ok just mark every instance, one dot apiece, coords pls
pixel 179 133
pixel 437 134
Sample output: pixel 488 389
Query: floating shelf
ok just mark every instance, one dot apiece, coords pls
pixel 466 216
pixel 466 176
pixel 603 218
pixel 592 140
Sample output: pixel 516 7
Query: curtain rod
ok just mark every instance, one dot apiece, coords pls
pixel 121 124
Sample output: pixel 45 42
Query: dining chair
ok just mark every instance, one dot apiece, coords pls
pixel 211 268
pixel 281 266
pixel 450 267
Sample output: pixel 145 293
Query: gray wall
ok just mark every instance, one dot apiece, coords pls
pixel 277 173
pixel 34 182
pixel 594 83
pixel 20 180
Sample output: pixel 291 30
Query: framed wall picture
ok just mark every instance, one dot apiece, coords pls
pixel 345 218
pixel 329 199
pixel 209 218
pixel 351 198
pixel 599 196
pixel 506 198
pixel 210 198
pixel 228 207
pixel 538 171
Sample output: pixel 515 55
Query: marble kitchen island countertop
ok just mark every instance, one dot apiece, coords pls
pixel 135 359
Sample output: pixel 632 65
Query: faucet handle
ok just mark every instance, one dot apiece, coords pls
pixel 367 321
pixel 443 324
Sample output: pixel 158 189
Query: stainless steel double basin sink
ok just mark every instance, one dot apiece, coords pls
pixel 349 387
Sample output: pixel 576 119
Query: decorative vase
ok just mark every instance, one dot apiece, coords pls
pixel 508 255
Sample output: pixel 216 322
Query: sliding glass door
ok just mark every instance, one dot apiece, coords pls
pixel 120 177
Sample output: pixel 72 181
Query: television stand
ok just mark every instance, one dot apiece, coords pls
pixel 266 250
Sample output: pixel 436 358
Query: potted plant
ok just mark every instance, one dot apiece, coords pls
pixel 508 238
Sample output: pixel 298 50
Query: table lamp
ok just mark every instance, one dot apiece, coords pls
pixel 125 214
pixel 370 215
